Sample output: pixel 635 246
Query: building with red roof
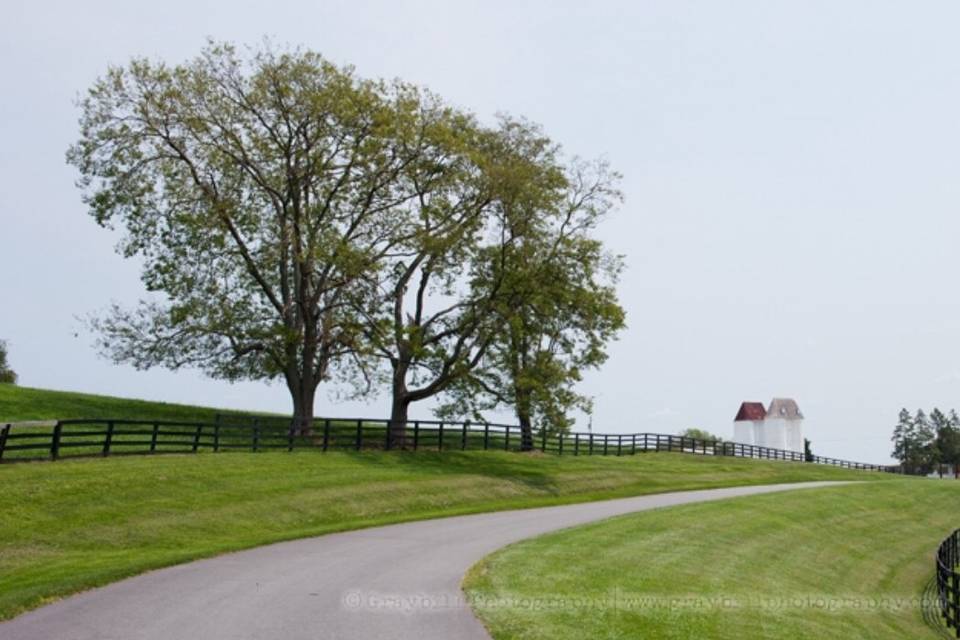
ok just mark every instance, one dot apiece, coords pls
pixel 779 426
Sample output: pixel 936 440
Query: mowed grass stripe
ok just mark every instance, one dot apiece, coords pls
pixel 846 562
pixel 78 523
pixel 25 403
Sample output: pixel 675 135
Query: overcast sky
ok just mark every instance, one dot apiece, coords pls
pixel 790 169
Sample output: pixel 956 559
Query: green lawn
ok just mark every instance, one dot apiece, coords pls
pixel 846 563
pixel 77 523
pixel 25 403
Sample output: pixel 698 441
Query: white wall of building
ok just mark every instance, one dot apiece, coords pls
pixel 745 431
pixel 775 433
pixel 795 435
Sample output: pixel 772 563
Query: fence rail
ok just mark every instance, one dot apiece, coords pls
pixel 948 580
pixel 111 436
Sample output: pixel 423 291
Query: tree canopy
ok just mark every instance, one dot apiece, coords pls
pixel 922 442
pixel 557 309
pixel 297 222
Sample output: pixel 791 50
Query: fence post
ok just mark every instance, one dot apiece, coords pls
pixel 560 444
pixel 3 439
pixel 590 449
pixel 153 437
pixel 55 441
pixel 196 437
pixel 108 439
pixel 463 437
pixel 486 436
pixel 633 446
pixel 359 442
pixel 606 443
pixel 386 442
pixel 256 434
pixel 956 593
pixel 416 434
pixel 576 444
pixel 440 437
pixel 506 439
pixel 543 440
pixel 216 434
pixel 326 433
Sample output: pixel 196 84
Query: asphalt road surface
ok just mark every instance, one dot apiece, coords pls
pixel 400 582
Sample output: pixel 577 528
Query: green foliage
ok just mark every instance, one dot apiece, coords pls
pixel 700 434
pixel 297 222
pixel 7 375
pixel 921 442
pixel 557 307
pixel 434 323
pixel 807 451
pixel 256 193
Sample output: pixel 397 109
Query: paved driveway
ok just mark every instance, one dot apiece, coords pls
pixel 400 582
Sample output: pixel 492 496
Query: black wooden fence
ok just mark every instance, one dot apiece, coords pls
pixel 105 437
pixel 948 580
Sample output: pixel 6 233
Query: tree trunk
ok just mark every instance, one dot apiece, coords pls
pixel 526 432
pixel 398 423
pixel 303 398
pixel 523 416
pixel 399 408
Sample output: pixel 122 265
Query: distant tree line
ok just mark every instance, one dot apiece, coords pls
pixel 7 375
pixel 298 223
pixel 922 442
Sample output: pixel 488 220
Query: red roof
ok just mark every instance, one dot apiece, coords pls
pixel 751 411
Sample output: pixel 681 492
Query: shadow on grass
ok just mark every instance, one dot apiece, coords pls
pixel 930 608
pixel 511 467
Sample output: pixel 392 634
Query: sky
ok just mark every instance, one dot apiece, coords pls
pixel 790 175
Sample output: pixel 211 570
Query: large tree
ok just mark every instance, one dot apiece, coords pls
pixel 946 443
pixel 437 314
pixel 557 309
pixel 914 442
pixel 262 196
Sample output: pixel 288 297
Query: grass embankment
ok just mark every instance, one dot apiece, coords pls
pixel 846 563
pixel 25 403
pixel 74 524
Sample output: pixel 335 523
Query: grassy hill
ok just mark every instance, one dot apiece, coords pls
pixel 78 523
pixel 74 524
pixel 851 562
pixel 25 403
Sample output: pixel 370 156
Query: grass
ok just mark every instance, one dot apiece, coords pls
pixel 74 524
pixel 844 562
pixel 25 403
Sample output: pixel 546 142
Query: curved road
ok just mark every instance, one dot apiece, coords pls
pixel 393 583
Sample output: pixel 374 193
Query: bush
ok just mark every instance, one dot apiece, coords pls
pixel 7 375
pixel 700 434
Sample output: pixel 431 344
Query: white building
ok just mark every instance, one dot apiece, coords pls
pixel 780 426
